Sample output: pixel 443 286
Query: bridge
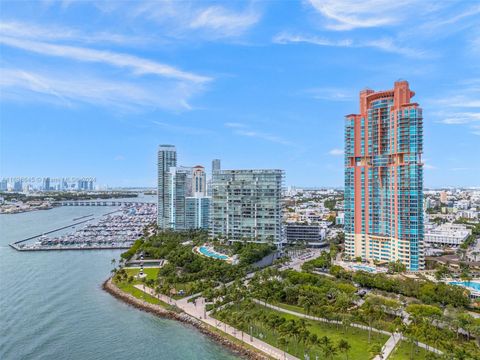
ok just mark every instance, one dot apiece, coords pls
pixel 99 203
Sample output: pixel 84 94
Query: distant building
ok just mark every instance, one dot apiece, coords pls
pixel 4 185
pixel 309 235
pixel 197 213
pixel 166 158
pixel 247 205
pixel 443 197
pixel 447 235
pixel 216 165
pixel 178 190
pixel 199 181
pixel 17 186
pixel 46 184
pixel 384 178
pixel 340 219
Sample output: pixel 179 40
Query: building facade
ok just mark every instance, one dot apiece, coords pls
pixel 166 158
pixel 179 182
pixel 247 205
pixel 308 235
pixel 447 235
pixel 216 165
pixel 384 178
pixel 197 212
pixel 199 181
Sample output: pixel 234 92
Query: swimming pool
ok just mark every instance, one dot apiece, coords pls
pixel 468 284
pixel 212 254
pixel 364 268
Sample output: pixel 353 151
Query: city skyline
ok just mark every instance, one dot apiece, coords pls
pixel 235 81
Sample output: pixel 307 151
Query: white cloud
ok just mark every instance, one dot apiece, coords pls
pixel 336 152
pixel 352 14
pixel 182 129
pixel 139 65
pixel 459 118
pixel 70 88
pixel 224 21
pixel 187 19
pixel 30 31
pixel 331 94
pixel 234 125
pixel 243 130
pixel 384 44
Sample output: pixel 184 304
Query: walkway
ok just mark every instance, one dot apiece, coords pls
pixel 388 347
pixel 197 310
pixel 310 317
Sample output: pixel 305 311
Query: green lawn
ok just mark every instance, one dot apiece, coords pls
pixel 402 352
pixel 129 287
pixel 295 308
pixel 152 273
pixel 358 339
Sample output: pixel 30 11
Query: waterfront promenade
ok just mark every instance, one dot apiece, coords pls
pixel 198 312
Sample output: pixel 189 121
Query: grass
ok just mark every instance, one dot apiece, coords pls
pixel 402 352
pixel 130 288
pixel 295 308
pixel 358 339
pixel 152 273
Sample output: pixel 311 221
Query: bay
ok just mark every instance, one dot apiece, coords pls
pixel 53 307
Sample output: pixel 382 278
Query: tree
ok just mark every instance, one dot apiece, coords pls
pixel 344 347
pixel 375 349
pixel 327 347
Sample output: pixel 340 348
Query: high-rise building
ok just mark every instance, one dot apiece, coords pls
pixel 443 197
pixel 216 165
pixel 247 205
pixel 384 178
pixel 197 213
pixel 166 158
pixel 199 181
pixel 4 185
pixel 46 184
pixel 17 185
pixel 178 190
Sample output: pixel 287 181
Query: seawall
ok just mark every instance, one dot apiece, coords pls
pixel 235 348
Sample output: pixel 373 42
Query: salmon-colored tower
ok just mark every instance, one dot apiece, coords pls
pixel 384 178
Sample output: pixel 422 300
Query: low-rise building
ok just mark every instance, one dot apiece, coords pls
pixel 310 235
pixel 447 234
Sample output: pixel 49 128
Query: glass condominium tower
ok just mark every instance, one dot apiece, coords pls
pixel 384 178
pixel 166 158
pixel 247 205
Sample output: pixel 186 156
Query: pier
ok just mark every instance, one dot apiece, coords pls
pixel 98 203
pixel 117 229
pixel 63 247
pixel 48 232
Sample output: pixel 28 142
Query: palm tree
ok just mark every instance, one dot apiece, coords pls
pixel 344 346
pixel 375 349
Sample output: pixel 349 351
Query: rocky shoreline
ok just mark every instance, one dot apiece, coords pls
pixel 157 310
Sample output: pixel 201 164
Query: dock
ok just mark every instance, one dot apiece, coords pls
pixel 63 248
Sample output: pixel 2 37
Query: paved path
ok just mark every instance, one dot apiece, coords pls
pixel 389 346
pixel 305 316
pixel 197 311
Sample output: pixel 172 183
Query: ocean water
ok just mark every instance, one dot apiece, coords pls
pixel 52 305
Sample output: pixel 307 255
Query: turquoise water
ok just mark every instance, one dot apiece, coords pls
pixel 53 307
pixel 212 254
pixel 468 284
pixel 364 268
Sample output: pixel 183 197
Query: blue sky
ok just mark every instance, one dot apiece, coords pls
pixel 91 88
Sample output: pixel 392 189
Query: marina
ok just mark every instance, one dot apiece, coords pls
pixel 115 230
